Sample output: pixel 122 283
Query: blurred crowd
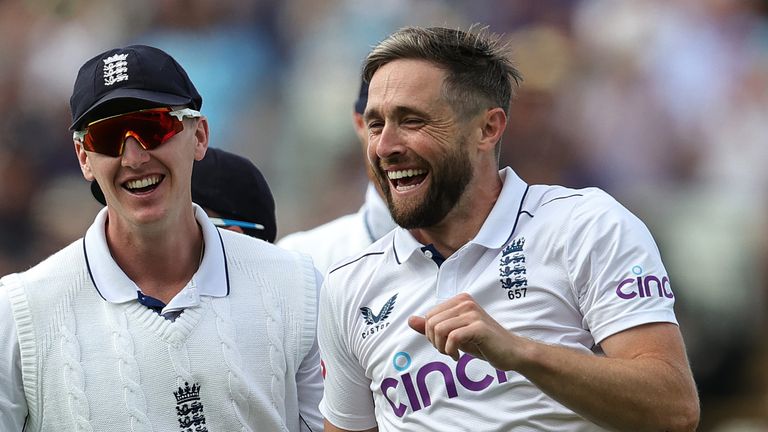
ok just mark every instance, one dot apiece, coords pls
pixel 664 104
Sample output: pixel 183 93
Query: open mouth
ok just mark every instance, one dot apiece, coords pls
pixel 143 185
pixel 404 180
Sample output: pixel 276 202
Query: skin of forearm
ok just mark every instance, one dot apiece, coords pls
pixel 638 394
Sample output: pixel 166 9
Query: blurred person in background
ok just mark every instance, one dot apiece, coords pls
pixel 543 307
pixel 686 153
pixel 351 233
pixel 233 193
pixel 155 319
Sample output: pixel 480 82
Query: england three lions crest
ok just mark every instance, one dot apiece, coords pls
pixel 512 271
pixel 189 408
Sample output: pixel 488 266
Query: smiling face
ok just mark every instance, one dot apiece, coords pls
pixel 418 147
pixel 148 186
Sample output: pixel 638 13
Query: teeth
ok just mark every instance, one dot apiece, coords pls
pixel 394 175
pixel 405 188
pixel 142 183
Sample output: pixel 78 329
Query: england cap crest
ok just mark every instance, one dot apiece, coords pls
pixel 127 79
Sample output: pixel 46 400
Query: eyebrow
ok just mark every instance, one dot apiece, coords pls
pixel 400 111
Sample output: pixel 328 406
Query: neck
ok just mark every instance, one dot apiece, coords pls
pixel 160 264
pixel 466 218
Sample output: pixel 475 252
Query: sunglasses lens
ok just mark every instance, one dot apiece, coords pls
pixel 151 127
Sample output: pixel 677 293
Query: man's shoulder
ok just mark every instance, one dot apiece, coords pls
pixel 65 268
pixel 563 201
pixel 332 231
pixel 581 210
pixel 374 255
pixel 60 264
pixel 242 245
pixel 331 242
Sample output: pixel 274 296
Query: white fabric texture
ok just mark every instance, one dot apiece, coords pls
pixel 246 349
pixel 331 242
pixel 549 263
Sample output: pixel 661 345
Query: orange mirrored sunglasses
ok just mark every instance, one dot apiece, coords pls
pixel 150 127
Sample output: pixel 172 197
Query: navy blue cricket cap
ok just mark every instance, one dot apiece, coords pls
pixel 362 98
pixel 127 79
pixel 233 187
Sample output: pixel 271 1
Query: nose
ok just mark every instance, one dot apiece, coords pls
pixel 389 142
pixel 133 153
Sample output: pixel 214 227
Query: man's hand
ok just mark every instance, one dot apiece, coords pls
pixel 460 324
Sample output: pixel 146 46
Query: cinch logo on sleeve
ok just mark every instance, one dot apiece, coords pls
pixel 419 395
pixel 377 320
pixel 641 286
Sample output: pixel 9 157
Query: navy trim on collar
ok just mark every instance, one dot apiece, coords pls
pixel 224 252
pixel 519 212
pixel 90 274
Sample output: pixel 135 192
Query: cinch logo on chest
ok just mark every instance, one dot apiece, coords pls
pixel 452 375
pixel 377 320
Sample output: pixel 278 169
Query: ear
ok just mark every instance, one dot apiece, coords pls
pixel 360 129
pixel 494 122
pixel 85 162
pixel 201 138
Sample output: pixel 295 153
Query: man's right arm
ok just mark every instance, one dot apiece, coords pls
pixel 347 398
pixel 13 404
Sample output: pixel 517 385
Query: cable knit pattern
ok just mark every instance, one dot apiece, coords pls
pixel 276 352
pixel 238 391
pixel 180 362
pixel 276 347
pixel 59 314
pixel 128 369
pixel 90 365
pixel 307 329
pixel 74 379
pixel 26 331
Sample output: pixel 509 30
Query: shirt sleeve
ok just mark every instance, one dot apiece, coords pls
pixel 309 383
pixel 616 268
pixel 347 400
pixel 13 404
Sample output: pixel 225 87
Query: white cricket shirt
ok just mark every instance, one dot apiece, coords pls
pixel 347 235
pixel 558 265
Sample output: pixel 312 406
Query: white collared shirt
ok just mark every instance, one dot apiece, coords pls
pixel 343 236
pixel 553 264
pixel 114 286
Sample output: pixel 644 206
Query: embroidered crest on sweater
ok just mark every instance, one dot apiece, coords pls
pixel 189 408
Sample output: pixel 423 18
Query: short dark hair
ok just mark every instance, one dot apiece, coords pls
pixel 479 72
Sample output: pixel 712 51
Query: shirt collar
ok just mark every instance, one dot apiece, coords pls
pixel 498 226
pixel 495 231
pixel 113 284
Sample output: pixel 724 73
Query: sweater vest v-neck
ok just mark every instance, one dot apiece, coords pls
pixel 228 364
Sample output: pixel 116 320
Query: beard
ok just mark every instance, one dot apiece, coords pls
pixel 450 176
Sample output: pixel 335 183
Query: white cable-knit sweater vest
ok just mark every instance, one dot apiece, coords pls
pixel 227 365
